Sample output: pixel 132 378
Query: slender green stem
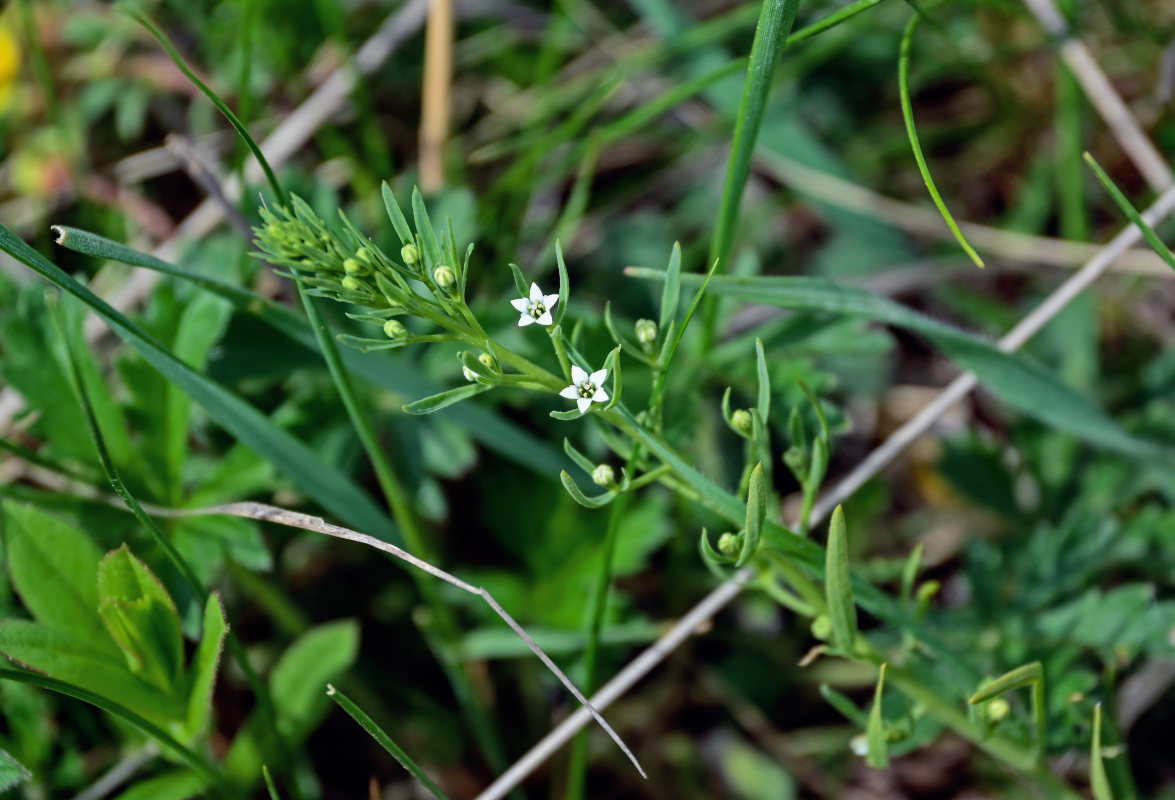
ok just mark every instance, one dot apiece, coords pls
pixel 908 116
pixel 831 20
pixel 775 23
pixel 577 768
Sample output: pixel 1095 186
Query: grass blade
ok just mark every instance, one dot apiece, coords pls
pixel 1131 212
pixel 385 741
pixel 878 755
pixel 908 116
pixel 1099 781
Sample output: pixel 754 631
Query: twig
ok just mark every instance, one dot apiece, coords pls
pixel 203 175
pixel 294 519
pixel 120 773
pixel 725 592
pixel 436 93
pixel 1101 94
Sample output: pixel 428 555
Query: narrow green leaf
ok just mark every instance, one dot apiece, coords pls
pixel 169 743
pixel 519 280
pixel 671 292
pixel 1027 675
pixel 428 236
pixel 142 619
pixel 578 496
pixel 176 785
pixel 910 572
pixel 844 705
pixel 837 587
pixel 878 755
pixel 672 339
pixel 763 404
pixel 427 405
pixel 273 795
pixel 564 284
pixel 582 461
pixel 204 666
pixel 1099 781
pixel 1131 213
pixel 756 513
pixel 54 567
pixel 1014 378
pixel 318 479
pixel 818 408
pixel 908 116
pixel 384 741
pixel 399 222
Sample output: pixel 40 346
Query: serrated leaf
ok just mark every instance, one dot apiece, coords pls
pixel 101 671
pixel 202 678
pixel 842 611
pixel 54 567
pixel 141 618
pixel 427 405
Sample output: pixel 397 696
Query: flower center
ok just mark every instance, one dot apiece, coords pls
pixel 587 389
pixel 536 310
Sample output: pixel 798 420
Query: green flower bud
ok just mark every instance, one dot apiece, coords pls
pixel 393 329
pixel 997 710
pixel 604 475
pixel 444 276
pixel 410 254
pixel 352 284
pixel 364 255
pixel 353 267
pixel 488 360
pixel 742 421
pixel 822 628
pixel 729 544
pixel 646 333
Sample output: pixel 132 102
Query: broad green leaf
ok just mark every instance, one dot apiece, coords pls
pixel 842 611
pixel 878 755
pixel 141 617
pixel 12 772
pixel 1014 378
pixel 300 677
pixel 204 665
pixel 318 479
pixel 58 655
pixel 177 785
pixel 427 405
pixel 54 567
pixel 385 741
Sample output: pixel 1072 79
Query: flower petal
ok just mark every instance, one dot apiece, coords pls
pixel 599 376
pixel 546 319
pixel 578 376
pixel 550 300
pixel 600 396
pixel 524 320
pixel 536 294
pixel 584 404
pixel 521 304
pixel 571 393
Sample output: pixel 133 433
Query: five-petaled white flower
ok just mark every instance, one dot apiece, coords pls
pixel 586 389
pixel 537 308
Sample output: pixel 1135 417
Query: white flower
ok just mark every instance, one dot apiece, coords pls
pixel 537 308
pixel 586 389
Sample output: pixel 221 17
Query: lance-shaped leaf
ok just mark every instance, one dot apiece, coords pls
pixel 429 244
pixel 763 403
pixel 141 617
pixel 878 755
pixel 564 284
pixel 1131 213
pixel 519 280
pixel 671 292
pixel 399 222
pixel 427 405
pixel 756 513
pixel 204 665
pixel 578 496
pixel 842 611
